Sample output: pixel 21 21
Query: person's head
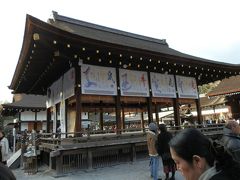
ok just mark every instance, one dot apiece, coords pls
pixel 162 128
pixel 153 127
pixel 233 126
pixel 6 173
pixel 192 152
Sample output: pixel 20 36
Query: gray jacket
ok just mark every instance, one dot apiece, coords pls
pixel 232 143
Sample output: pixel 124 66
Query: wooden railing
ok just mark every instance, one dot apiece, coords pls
pixel 93 149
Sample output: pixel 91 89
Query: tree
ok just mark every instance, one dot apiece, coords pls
pixel 206 88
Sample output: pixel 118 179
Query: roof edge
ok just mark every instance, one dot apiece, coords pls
pixel 25 45
pixel 58 17
pixel 224 93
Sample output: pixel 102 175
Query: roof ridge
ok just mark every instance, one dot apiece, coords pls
pixel 58 17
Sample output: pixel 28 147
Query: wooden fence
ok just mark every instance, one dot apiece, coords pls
pixel 86 150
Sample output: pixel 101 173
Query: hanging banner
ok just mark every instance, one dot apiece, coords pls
pixel 163 85
pixel 52 97
pixel 57 90
pixel 54 118
pixel 62 119
pixel 98 80
pixel 133 83
pixel 49 101
pixel 68 83
pixel 187 87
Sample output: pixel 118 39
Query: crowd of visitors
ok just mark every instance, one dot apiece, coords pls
pixel 195 155
pixel 157 141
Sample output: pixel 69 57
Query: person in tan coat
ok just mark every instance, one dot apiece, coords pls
pixel 152 150
pixel 4 145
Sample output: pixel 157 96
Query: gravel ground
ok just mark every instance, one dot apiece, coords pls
pixel 138 170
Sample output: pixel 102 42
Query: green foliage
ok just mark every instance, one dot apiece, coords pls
pixel 206 88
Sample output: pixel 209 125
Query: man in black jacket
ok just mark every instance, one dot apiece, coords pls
pixel 231 139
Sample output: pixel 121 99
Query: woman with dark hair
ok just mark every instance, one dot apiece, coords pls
pixel 200 159
pixel 6 173
pixel 164 151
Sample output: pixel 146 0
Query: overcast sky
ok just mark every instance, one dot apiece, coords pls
pixel 205 28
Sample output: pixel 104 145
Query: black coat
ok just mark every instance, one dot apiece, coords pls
pixel 221 176
pixel 163 140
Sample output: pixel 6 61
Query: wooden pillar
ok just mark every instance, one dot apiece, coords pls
pixel 59 164
pixel 89 159
pixel 149 101
pixel 66 116
pixel 101 115
pixel 19 121
pixel 134 156
pixel 78 120
pixel 118 104
pixel 35 122
pixel 142 121
pixel 123 117
pixel 176 111
pixel 198 106
pixel 156 112
pixel 199 112
pixel 48 120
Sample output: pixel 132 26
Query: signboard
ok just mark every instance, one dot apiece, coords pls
pixel 163 85
pixel 54 93
pixel 187 87
pixel 68 83
pixel 54 118
pixel 62 119
pixel 50 97
pixel 98 80
pixel 133 83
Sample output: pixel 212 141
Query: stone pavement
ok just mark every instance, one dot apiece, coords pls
pixel 138 170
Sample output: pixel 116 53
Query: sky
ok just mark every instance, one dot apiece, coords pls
pixel 208 29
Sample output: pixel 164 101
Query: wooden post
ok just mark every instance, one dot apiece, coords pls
pixel 149 100
pixel 176 111
pixel 101 115
pixel 90 159
pixel 176 106
pixel 78 120
pixel 142 121
pixel 199 112
pixel 48 119
pixel 156 112
pixel 35 122
pixel 134 156
pixel 118 104
pixel 198 106
pixel 59 164
pixel 66 117
pixel 19 121
pixel 123 117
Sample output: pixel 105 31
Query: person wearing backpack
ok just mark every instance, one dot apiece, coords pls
pixel 231 139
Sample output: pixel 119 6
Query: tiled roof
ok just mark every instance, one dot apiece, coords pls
pixel 227 86
pixel 115 36
pixel 206 102
pixel 27 101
